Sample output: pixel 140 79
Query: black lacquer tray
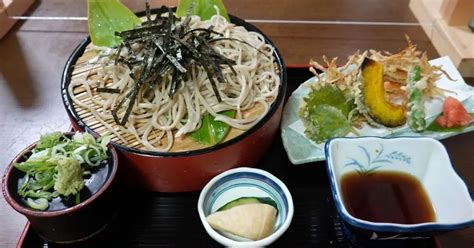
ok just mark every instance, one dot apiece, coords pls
pixel 148 219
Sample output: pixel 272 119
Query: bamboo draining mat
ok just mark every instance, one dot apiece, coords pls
pixel 83 68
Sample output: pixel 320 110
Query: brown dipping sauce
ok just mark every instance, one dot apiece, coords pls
pixel 386 197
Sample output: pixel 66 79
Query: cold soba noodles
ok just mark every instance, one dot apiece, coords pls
pixel 161 122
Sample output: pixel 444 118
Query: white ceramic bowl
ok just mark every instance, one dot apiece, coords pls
pixel 424 158
pixel 245 182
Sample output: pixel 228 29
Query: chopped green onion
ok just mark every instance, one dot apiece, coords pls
pixel 56 167
pixel 78 198
pixel 39 204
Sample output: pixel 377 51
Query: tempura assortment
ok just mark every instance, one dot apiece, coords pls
pixel 375 87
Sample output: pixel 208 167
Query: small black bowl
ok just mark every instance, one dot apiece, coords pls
pixel 64 221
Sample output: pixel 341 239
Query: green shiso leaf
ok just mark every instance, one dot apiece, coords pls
pixel 105 17
pixel 326 113
pixel 326 121
pixel 330 95
pixel 202 8
pixel 211 131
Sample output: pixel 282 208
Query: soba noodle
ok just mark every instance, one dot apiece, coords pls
pixel 156 122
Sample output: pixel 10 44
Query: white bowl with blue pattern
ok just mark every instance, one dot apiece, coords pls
pixel 245 182
pixel 424 158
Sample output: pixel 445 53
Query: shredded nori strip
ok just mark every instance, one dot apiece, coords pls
pixel 108 90
pixel 170 49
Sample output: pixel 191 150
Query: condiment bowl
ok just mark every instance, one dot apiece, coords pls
pixel 66 222
pixel 245 182
pixel 188 170
pixel 426 159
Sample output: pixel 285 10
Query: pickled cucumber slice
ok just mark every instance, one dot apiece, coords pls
pixel 248 200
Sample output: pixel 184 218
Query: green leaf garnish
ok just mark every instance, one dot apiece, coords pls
pixel 211 131
pixel 326 113
pixel 434 127
pixel 202 8
pixel 105 17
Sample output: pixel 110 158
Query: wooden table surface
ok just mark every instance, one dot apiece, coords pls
pixel 33 54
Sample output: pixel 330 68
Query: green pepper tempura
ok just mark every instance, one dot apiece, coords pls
pixel 57 165
pixel 416 107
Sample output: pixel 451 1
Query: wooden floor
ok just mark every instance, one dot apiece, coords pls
pixel 33 55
